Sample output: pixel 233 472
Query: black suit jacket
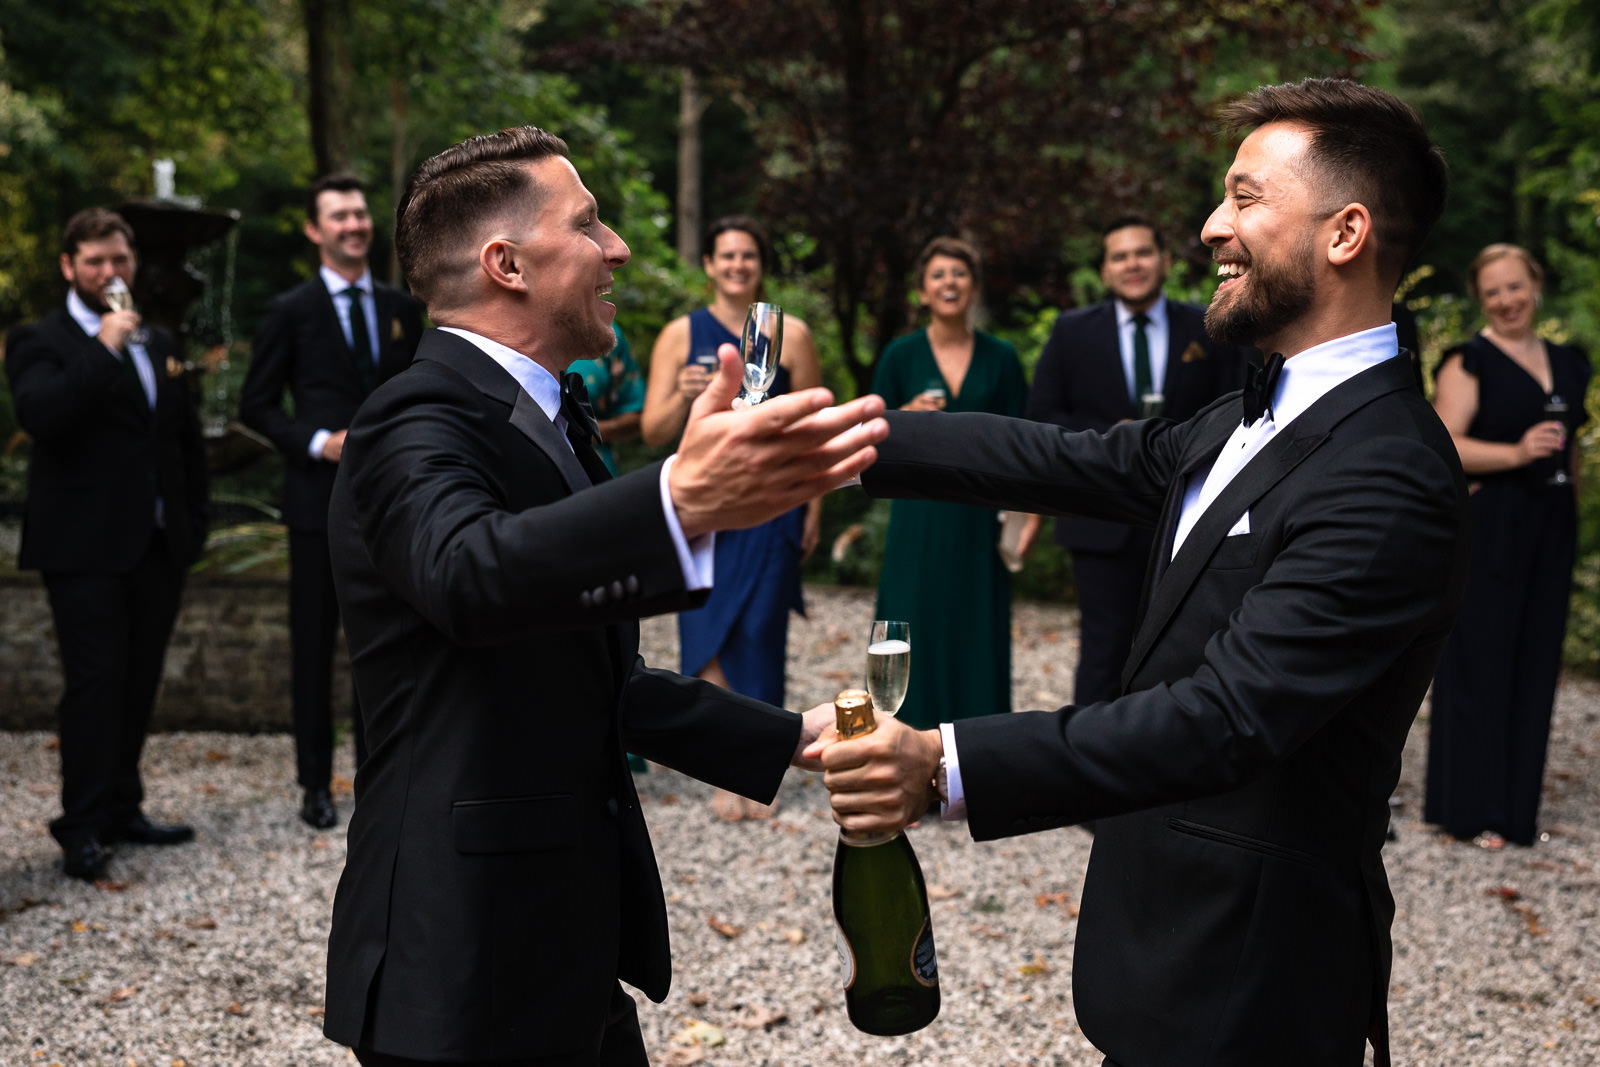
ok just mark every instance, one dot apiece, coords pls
pixel 1079 384
pixel 500 877
pixel 101 456
pixel 1236 909
pixel 300 345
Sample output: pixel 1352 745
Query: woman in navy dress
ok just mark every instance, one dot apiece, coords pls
pixel 739 638
pixel 1512 403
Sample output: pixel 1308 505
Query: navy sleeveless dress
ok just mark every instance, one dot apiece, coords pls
pixel 744 624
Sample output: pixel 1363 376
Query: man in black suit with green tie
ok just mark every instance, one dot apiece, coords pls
pixel 327 342
pixel 116 513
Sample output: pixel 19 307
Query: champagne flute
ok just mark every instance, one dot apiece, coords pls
pixel 889 664
pixel 760 348
pixel 1556 408
pixel 118 297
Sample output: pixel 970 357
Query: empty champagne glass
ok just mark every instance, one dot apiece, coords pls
pixel 1556 408
pixel 889 664
pixel 760 348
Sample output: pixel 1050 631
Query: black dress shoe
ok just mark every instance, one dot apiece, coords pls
pixel 84 858
pixel 317 809
pixel 141 831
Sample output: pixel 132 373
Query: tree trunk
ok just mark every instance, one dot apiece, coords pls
pixel 690 108
pixel 399 158
pixel 328 69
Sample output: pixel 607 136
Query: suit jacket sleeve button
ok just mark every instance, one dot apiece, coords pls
pixel 633 585
pixel 585 599
pixel 611 806
pixel 616 590
pixel 599 595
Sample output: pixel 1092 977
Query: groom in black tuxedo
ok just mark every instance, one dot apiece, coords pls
pixel 500 880
pixel 1310 559
pixel 327 342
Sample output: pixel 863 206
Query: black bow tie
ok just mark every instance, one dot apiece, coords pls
pixel 579 413
pixel 1263 382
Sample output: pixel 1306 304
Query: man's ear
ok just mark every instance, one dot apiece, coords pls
pixel 497 258
pixel 1352 234
pixel 66 267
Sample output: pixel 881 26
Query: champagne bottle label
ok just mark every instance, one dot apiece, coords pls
pixel 847 957
pixel 924 961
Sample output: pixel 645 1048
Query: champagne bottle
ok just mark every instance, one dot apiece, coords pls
pixel 891 974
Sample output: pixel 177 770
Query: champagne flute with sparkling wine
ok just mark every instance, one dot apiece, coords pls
pixel 760 348
pixel 118 298
pixel 889 664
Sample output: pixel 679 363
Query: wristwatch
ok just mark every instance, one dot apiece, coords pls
pixel 941 782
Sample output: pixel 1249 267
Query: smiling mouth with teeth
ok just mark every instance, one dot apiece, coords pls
pixel 1231 271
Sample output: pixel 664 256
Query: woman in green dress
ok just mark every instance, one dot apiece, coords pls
pixel 942 571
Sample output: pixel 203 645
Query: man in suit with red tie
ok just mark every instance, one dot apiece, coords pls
pixel 1312 557
pixel 328 342
pixel 116 513
pixel 500 882
pixel 1134 355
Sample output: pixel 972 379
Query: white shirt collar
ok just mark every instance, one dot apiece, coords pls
pixel 1308 376
pixel 535 379
pixel 85 316
pixel 337 283
pixel 1156 313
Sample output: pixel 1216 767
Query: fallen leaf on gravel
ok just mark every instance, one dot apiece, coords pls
pixel 1504 892
pixel 669 798
pixel 1530 920
pixel 682 1057
pixel 318 1010
pixel 79 926
pixel 1044 900
pixel 216 757
pixel 179 1063
pixel 727 930
pixel 761 1017
pixel 321 842
pixel 1591 1000
pixel 110 885
pixel 942 892
pixel 39 789
pixel 697 1032
pixel 208 788
pixel 1034 967
pixel 794 936
pixel 1542 865
pixel 698 999
pixel 121 994
pixel 342 786
pixel 1567 1024
pixel 27 959
pixel 206 923
pixel 988 931
pixel 235 1008
pixel 52 743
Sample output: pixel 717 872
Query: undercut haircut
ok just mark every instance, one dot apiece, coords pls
pixel 452 196
pixel 93 224
pixel 331 183
pixel 1366 146
pixel 1127 222
pixel 955 248
pixel 740 224
pixel 1501 251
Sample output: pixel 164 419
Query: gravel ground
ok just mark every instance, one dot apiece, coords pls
pixel 212 953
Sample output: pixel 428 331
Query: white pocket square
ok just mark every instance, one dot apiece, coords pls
pixel 1241 527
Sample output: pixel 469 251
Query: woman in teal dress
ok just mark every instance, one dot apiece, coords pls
pixel 942 571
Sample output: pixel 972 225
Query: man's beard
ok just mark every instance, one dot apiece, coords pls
pixel 93 301
pixel 1265 301
pixel 584 338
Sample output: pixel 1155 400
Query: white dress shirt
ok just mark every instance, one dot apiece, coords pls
pixel 337 285
pixel 694 557
pixel 1155 331
pixel 1306 377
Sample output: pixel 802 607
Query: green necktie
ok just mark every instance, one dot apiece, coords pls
pixel 360 339
pixel 1143 383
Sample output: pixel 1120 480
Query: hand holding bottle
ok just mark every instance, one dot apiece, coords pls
pixel 882 782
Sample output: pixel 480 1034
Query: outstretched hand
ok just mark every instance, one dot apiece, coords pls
pixel 740 468
pixel 882 782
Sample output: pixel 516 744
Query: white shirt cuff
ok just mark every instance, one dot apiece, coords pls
pixel 695 557
pixel 955 804
pixel 318 439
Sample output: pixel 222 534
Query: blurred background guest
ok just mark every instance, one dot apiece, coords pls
pixel 942 571
pixel 1512 403
pixel 739 638
pixel 616 391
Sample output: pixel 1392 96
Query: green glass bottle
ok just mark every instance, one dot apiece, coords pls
pixel 891 973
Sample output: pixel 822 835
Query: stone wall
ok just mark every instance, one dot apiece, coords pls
pixel 227 667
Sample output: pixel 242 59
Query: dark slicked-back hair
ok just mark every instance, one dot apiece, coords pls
pixel 1366 147
pixel 742 224
pixel 1124 222
pixel 331 183
pixel 93 224
pixel 955 248
pixel 452 195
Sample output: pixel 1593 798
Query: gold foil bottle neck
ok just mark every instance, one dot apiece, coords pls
pixel 852 711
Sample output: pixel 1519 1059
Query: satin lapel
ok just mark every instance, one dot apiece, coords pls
pixel 1281 455
pixel 531 421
